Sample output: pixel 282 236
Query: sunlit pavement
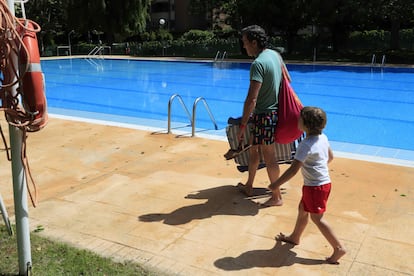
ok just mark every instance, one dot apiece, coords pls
pixel 170 203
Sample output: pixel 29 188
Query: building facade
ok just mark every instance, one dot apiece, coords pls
pixel 175 16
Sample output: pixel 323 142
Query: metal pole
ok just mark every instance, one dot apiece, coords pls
pixel 70 47
pixel 20 202
pixel 19 188
pixel 3 211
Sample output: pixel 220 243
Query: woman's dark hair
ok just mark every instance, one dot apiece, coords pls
pixel 255 32
pixel 314 119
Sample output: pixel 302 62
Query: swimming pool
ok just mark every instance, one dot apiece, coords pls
pixel 365 106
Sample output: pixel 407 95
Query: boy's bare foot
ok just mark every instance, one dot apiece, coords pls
pixel 337 254
pixel 282 237
pixel 272 202
pixel 247 190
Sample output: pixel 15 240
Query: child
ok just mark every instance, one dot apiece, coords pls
pixel 313 155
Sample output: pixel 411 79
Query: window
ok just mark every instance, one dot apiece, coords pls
pixel 160 7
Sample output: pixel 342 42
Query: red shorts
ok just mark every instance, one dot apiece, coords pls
pixel 314 198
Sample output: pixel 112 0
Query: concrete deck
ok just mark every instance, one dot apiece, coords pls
pixel 170 204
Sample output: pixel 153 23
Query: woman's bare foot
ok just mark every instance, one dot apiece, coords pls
pixel 337 254
pixel 272 202
pixel 282 237
pixel 247 190
pixel 272 186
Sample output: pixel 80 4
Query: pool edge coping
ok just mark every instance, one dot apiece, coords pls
pixel 341 154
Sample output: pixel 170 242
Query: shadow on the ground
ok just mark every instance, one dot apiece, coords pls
pixel 280 255
pixel 223 200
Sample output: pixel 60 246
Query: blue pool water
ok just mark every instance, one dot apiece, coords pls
pixel 365 106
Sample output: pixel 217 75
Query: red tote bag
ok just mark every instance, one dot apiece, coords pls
pixel 288 112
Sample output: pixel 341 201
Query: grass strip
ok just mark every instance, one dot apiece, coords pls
pixel 55 258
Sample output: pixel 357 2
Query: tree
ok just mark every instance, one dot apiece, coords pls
pixel 126 18
pixel 202 7
pixel 397 13
pixel 340 17
pixel 118 19
pixel 282 17
pixel 50 15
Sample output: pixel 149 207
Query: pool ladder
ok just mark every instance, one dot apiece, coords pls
pixel 192 117
pixel 374 60
pixel 99 50
pixel 217 57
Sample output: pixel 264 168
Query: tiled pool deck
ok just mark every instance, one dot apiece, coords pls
pixel 384 155
pixel 170 203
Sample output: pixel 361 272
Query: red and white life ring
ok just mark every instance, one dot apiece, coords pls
pixel 32 85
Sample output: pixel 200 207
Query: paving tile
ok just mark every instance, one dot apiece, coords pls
pixel 364 269
pixel 193 253
pixel 383 253
pixel 171 205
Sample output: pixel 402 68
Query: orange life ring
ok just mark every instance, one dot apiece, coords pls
pixel 32 84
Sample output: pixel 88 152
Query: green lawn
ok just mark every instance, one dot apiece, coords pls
pixel 54 258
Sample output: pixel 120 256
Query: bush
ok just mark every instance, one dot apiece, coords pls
pixel 360 47
pixel 372 39
pixel 160 35
pixel 407 39
pixel 198 35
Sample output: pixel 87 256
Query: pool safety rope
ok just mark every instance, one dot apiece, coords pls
pixel 22 81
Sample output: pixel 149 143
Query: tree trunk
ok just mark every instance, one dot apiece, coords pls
pixel 395 34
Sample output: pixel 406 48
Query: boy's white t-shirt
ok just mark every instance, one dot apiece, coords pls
pixel 313 152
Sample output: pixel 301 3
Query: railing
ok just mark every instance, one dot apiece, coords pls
pixel 99 50
pixel 194 114
pixel 192 117
pixel 64 47
pixel 169 110
pixel 107 47
pixel 95 50
pixel 374 60
pixel 218 57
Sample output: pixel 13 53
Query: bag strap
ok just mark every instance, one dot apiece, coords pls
pixel 286 76
pixel 285 71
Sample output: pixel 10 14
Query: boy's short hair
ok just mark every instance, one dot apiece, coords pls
pixel 255 32
pixel 314 119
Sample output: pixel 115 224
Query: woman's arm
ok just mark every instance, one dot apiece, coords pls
pixel 249 105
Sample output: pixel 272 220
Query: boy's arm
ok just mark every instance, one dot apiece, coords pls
pixel 330 155
pixel 287 175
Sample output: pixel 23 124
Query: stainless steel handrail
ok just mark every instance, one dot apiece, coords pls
pixel 217 55
pixel 194 114
pixel 224 55
pixel 373 60
pixel 192 117
pixel 94 50
pixel 169 110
